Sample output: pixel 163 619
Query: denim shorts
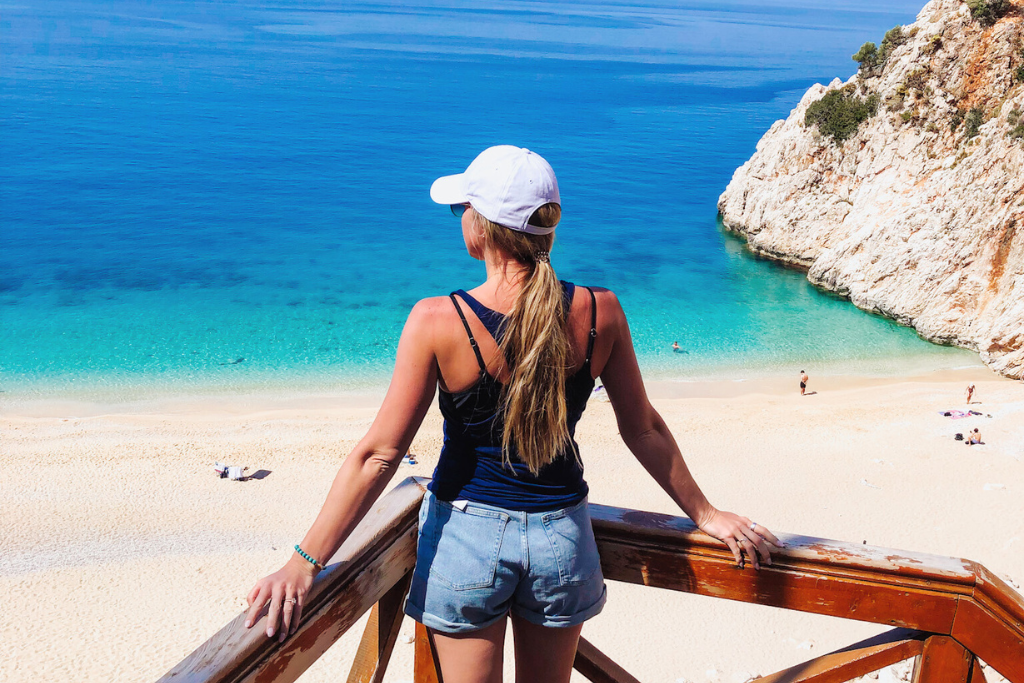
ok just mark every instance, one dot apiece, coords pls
pixel 476 562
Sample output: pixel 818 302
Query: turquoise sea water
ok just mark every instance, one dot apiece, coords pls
pixel 220 195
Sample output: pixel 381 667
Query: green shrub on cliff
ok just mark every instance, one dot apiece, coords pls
pixel 894 37
pixel 988 12
pixel 916 80
pixel 872 58
pixel 840 112
pixel 867 56
pixel 1016 125
pixel 972 122
pixel 933 45
pixel 955 120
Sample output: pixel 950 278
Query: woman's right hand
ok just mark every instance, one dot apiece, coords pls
pixel 743 536
pixel 286 591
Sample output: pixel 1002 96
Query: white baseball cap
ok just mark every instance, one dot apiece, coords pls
pixel 505 185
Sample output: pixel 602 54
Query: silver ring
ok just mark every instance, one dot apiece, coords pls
pixel 753 526
pixel 290 600
pixel 740 540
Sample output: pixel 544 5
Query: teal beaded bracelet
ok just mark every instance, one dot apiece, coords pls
pixel 304 555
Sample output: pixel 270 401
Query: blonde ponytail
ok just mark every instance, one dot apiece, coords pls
pixel 536 346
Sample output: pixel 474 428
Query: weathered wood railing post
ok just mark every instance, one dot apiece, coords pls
pixel 598 667
pixel 380 635
pixel 943 661
pixel 426 667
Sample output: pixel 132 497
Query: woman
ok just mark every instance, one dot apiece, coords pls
pixel 504 527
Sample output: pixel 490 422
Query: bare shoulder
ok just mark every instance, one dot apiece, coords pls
pixel 432 305
pixel 604 294
pixel 613 360
pixel 429 313
pixel 608 307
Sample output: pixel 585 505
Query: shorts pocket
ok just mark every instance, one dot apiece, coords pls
pixel 460 548
pixel 573 544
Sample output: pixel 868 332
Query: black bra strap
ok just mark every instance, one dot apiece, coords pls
pixel 593 325
pixel 472 340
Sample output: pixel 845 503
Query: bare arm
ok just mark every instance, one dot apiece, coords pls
pixel 649 439
pixel 362 477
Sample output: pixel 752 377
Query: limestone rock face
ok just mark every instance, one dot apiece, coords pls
pixel 909 217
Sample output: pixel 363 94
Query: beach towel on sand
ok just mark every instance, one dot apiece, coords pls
pixel 955 414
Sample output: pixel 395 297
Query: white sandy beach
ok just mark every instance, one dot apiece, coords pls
pixel 121 551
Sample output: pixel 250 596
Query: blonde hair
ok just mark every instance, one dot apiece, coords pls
pixel 535 346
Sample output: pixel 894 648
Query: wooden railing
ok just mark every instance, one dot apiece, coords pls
pixel 947 613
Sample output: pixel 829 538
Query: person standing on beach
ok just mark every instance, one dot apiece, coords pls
pixel 970 393
pixel 803 382
pixel 504 527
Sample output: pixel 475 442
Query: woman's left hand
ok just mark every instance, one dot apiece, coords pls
pixel 742 536
pixel 285 590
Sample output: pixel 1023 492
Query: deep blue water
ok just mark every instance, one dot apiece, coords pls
pixel 184 185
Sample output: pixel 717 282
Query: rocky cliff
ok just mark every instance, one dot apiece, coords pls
pixel 904 188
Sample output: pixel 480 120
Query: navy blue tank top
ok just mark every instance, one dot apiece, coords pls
pixel 471 467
